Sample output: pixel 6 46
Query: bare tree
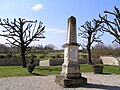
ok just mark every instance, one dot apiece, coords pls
pixel 90 33
pixel 21 33
pixel 112 26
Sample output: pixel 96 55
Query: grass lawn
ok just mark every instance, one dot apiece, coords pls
pixel 47 70
pixel 11 71
pixel 111 69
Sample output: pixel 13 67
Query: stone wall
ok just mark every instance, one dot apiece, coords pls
pixel 56 61
pixel 59 61
pixel 106 60
pixel 15 61
pixel 95 61
pixel 109 60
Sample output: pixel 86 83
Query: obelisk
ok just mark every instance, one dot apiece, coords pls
pixel 70 75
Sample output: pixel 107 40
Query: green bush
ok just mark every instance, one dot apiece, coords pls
pixel 58 56
pixel 9 55
pixel 41 56
pixel 31 66
pixel 84 56
pixel 34 56
pixel 2 56
pixel 53 56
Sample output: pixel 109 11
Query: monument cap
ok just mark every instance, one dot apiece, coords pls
pixel 71 31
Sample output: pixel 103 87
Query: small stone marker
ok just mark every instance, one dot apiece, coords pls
pixel 70 75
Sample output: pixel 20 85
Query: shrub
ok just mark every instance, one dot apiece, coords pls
pixel 58 56
pixel 2 56
pixel 41 56
pixel 84 56
pixel 31 66
pixel 53 56
pixel 9 55
pixel 32 55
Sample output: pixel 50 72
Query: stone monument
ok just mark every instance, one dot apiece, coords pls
pixel 70 75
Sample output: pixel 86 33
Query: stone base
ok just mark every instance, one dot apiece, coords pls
pixel 70 82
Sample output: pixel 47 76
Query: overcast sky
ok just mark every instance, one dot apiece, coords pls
pixel 54 15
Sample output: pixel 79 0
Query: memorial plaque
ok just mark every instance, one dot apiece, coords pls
pixel 73 54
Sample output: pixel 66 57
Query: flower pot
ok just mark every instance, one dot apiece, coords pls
pixel 97 69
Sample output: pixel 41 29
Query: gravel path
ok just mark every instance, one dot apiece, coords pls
pixel 96 82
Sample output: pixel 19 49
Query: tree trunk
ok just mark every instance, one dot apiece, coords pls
pixel 23 57
pixel 89 55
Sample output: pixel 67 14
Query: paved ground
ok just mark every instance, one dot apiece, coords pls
pixel 95 82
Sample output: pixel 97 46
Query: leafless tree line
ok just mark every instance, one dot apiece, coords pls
pixel 91 29
pixel 35 48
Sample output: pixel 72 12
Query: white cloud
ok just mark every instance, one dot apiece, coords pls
pixel 7 5
pixel 13 4
pixel 55 30
pixel 37 7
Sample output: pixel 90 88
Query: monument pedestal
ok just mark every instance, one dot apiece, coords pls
pixel 72 78
pixel 70 82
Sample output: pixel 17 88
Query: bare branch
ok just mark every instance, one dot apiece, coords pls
pixel 113 27
pixel 38 34
pixel 90 31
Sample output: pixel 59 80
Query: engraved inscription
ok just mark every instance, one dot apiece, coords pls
pixel 73 54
